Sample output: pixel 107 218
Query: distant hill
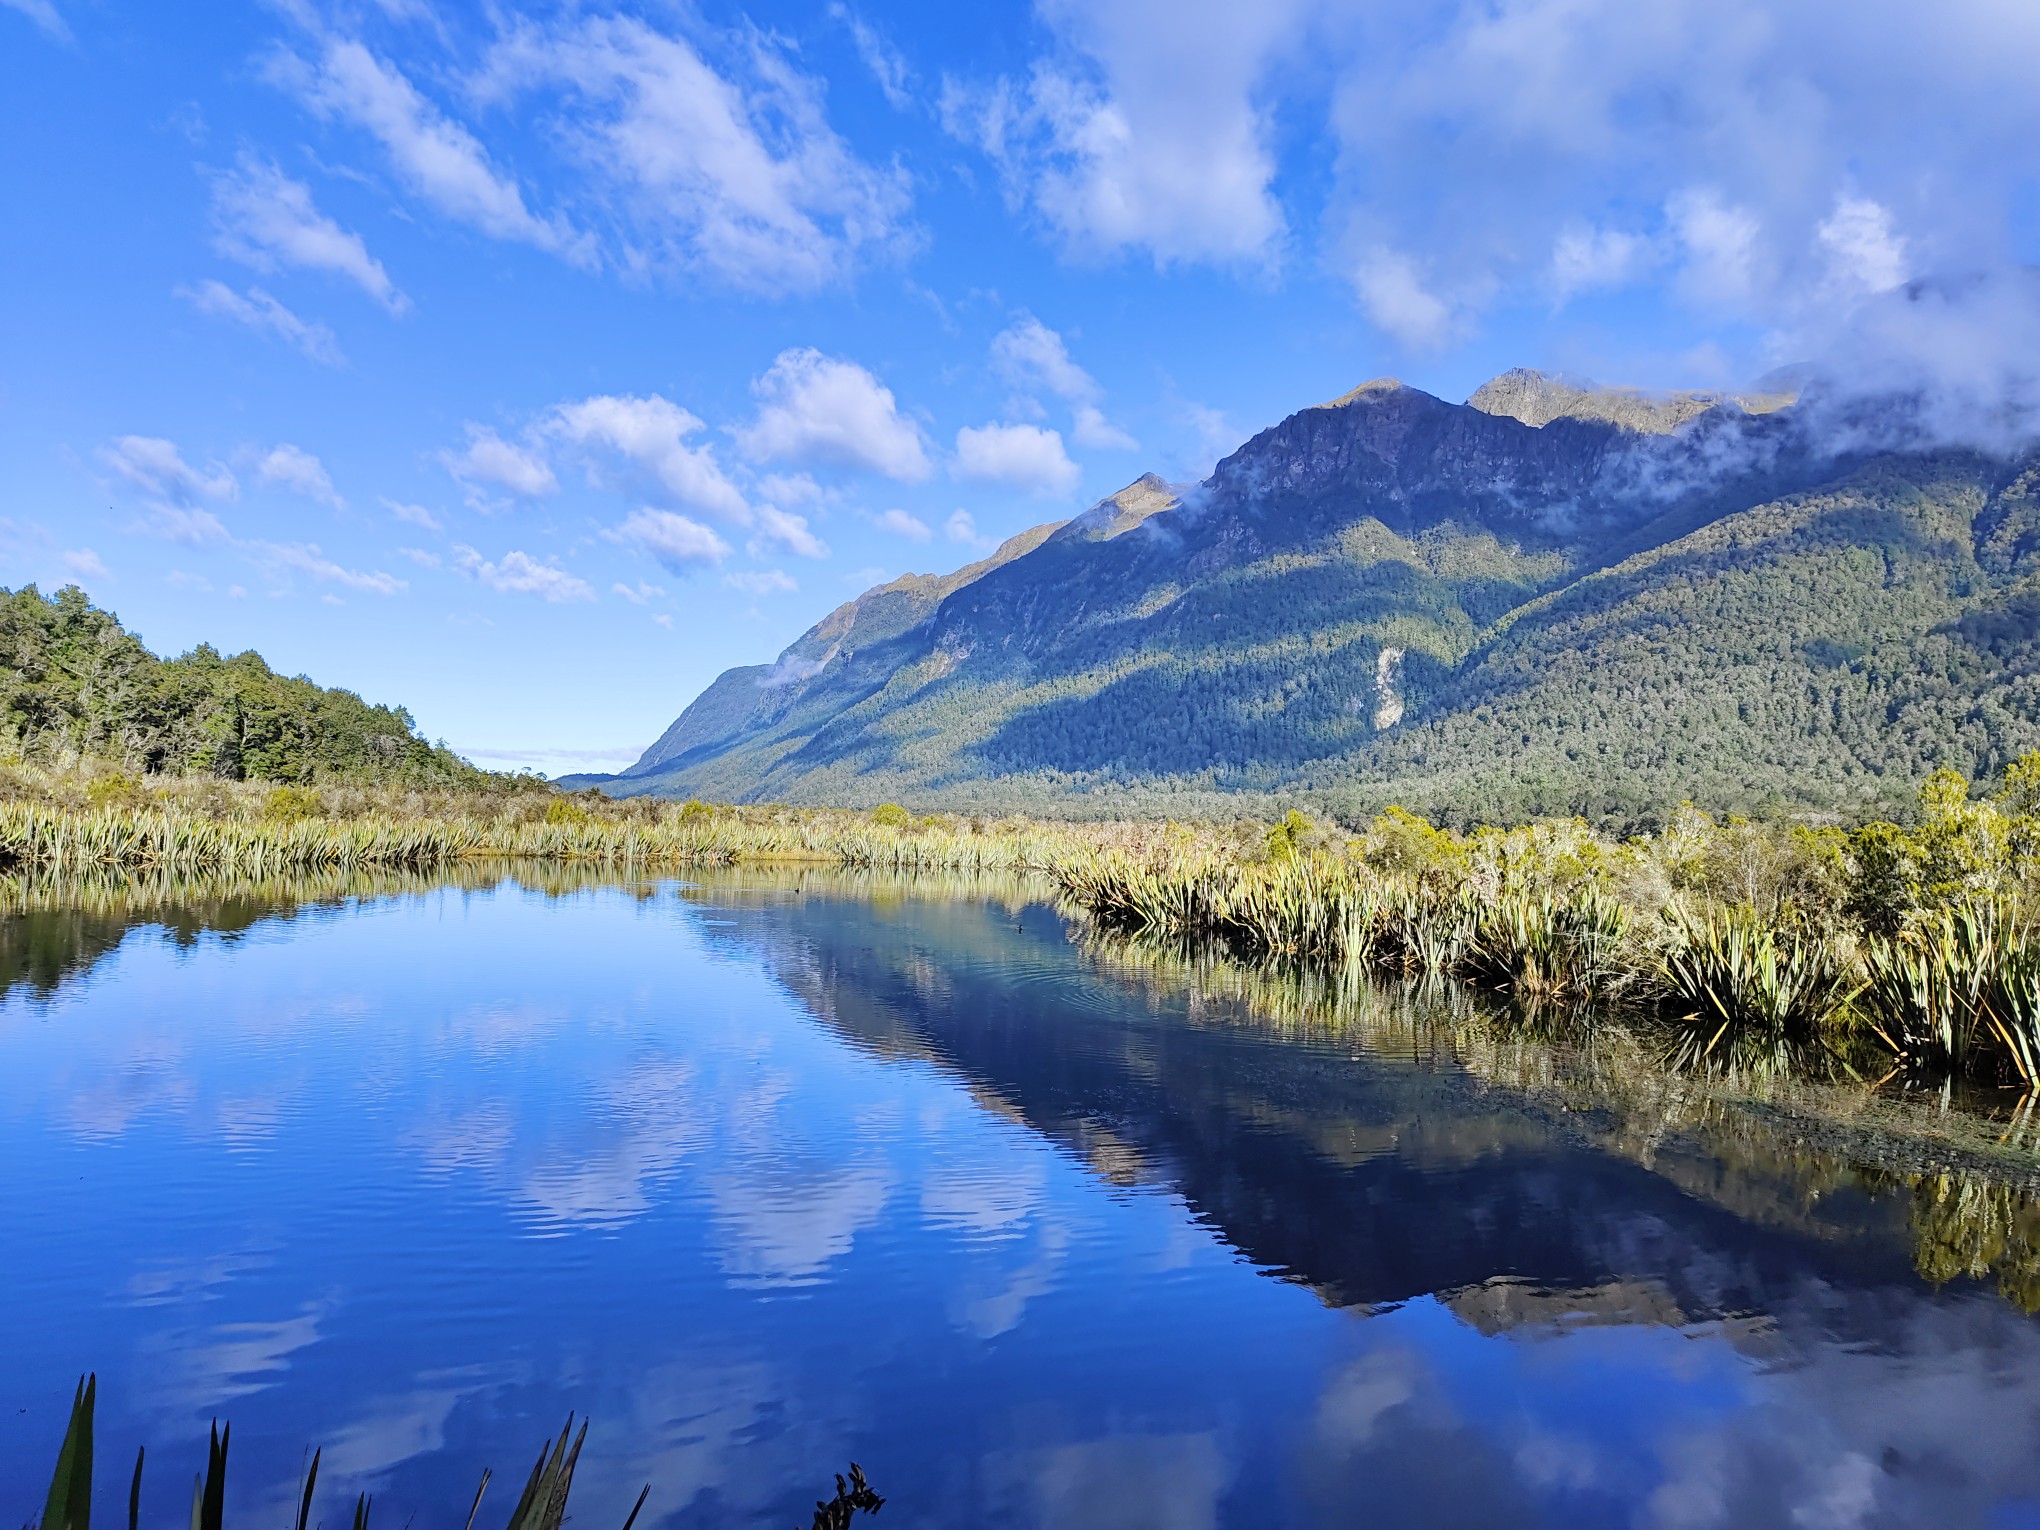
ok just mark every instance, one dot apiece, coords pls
pixel 1553 599
pixel 74 682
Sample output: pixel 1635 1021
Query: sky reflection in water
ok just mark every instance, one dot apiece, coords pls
pixel 765 1183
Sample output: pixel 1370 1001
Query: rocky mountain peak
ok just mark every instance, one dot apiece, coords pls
pixel 1537 398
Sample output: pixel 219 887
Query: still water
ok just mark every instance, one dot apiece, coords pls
pixel 768 1175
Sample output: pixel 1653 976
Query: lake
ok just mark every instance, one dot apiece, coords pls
pixel 765 1173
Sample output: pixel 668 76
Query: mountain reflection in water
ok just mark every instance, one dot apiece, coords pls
pixel 771 1171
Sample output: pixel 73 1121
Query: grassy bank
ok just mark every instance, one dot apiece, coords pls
pixel 1788 946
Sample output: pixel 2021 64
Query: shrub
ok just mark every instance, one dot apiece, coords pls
pixel 564 810
pixel 115 790
pixel 290 804
pixel 890 815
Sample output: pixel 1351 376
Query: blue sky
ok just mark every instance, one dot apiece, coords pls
pixel 530 364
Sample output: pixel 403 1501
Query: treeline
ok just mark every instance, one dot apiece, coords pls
pixel 76 684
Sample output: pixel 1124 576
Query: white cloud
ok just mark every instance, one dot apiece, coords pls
pixel 781 528
pixel 1150 131
pixel 1025 456
pixel 157 467
pixel 962 527
pixel 1393 295
pixel 743 180
pixel 43 14
pixel 769 581
pixel 84 562
pixel 265 219
pixel 816 408
pixel 637 594
pixel 901 524
pixel 294 468
pixel 436 157
pixel 1092 429
pixel 680 544
pixel 305 558
pixel 791 489
pixel 488 458
pixel 422 557
pixel 1585 257
pixel 521 574
pixel 1216 435
pixel 1029 354
pixel 259 311
pixel 416 515
pixel 652 432
pixel 1721 245
pixel 884 61
pixel 1864 253
pixel 174 523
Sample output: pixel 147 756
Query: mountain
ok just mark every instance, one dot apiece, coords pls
pixel 1552 599
pixel 74 682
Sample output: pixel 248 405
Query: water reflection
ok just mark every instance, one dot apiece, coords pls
pixel 768 1172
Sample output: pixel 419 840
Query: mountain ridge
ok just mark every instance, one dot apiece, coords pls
pixel 1388 597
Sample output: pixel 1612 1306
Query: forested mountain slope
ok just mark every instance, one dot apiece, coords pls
pixel 74 682
pixel 1552 599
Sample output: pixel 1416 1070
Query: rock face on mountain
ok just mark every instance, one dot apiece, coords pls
pixel 1553 599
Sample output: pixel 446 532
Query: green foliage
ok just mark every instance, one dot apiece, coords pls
pixel 116 789
pixel 890 815
pixel 290 804
pixel 1285 838
pixel 1402 843
pixel 693 808
pixel 69 1506
pixel 543 1505
pixel 1958 988
pixel 564 810
pixel 1740 990
pixel 75 683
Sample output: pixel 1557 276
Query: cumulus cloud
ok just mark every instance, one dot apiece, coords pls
pixel 1393 293
pixel 1031 355
pixel 518 573
pixel 437 158
pixel 1747 156
pixel 820 409
pixel 769 581
pixel 1024 456
pixel 489 459
pixel 737 176
pixel 84 563
pixel 962 527
pixel 783 529
pixel 680 544
pixel 155 466
pixel 261 312
pixel 1865 254
pixel 652 432
pixel 901 524
pixel 1150 129
pixel 265 219
pixel 294 468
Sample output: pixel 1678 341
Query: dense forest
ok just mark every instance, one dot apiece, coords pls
pixel 1584 610
pixel 75 683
